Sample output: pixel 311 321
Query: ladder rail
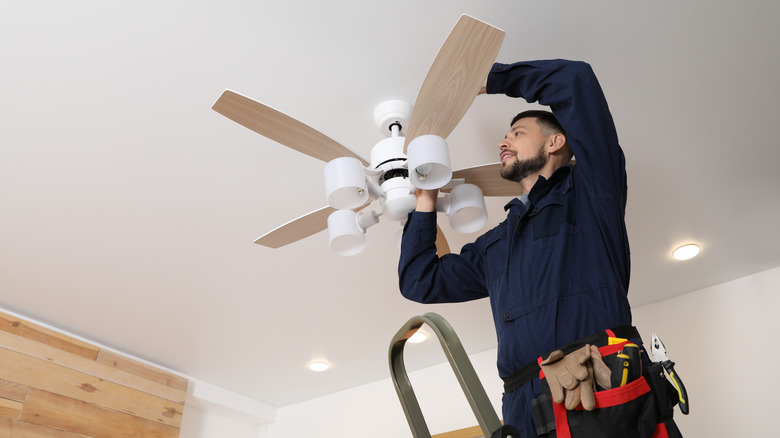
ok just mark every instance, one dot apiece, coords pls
pixel 461 365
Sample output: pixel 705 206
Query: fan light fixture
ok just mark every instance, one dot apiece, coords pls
pixel 392 176
pixel 345 183
pixel 465 206
pixel 347 231
pixel 429 162
pixel 686 252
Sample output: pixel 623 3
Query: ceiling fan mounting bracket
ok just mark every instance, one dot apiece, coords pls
pixel 392 112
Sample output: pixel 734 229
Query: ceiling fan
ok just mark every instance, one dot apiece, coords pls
pixel 451 85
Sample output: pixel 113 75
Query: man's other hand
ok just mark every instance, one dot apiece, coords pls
pixel 426 200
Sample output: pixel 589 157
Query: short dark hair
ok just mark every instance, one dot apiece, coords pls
pixel 545 119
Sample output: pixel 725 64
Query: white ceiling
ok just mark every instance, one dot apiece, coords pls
pixel 128 207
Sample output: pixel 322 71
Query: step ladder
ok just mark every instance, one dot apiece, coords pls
pixel 461 366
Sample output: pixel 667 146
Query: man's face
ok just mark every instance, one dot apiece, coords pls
pixel 522 150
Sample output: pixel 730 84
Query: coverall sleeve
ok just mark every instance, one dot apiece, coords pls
pixel 573 93
pixel 425 277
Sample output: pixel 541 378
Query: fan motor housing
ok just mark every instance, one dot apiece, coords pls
pixel 388 157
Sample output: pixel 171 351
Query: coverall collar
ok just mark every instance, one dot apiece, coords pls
pixel 543 186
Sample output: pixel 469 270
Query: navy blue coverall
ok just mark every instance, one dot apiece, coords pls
pixel 557 270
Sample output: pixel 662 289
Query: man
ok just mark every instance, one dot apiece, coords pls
pixel 557 269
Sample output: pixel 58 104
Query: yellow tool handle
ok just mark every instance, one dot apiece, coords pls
pixel 681 392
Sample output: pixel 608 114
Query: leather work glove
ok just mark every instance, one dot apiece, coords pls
pixel 601 371
pixel 582 393
pixel 570 376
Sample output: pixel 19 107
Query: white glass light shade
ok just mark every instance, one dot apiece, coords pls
pixel 467 209
pixel 399 198
pixel 429 162
pixel 345 183
pixel 345 237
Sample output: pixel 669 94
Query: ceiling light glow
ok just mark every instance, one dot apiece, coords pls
pixel 418 337
pixel 686 252
pixel 318 366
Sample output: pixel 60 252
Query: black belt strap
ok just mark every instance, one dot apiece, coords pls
pixel 599 339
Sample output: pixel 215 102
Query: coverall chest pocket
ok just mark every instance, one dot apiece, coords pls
pixel 553 223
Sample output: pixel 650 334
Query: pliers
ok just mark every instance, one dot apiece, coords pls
pixel 658 351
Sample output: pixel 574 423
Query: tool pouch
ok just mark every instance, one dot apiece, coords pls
pixel 641 408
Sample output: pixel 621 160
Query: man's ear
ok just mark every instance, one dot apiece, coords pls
pixel 557 141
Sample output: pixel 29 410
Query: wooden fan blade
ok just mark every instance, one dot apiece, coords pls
pixel 280 127
pixel 297 229
pixel 488 178
pixel 442 247
pixel 455 77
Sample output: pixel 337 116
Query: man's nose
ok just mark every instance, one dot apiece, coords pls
pixel 503 145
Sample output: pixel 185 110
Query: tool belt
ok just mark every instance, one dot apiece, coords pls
pixel 640 406
pixel 531 370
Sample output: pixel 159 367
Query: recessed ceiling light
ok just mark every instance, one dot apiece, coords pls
pixel 686 252
pixel 318 366
pixel 418 337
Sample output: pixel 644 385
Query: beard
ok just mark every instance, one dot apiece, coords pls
pixel 521 169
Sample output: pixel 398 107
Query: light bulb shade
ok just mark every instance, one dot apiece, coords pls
pixel 345 183
pixel 467 209
pixel 399 198
pixel 345 236
pixel 429 162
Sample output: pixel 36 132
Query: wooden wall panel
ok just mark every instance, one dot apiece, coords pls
pixel 46 336
pixel 142 370
pixel 64 413
pixel 54 386
pixel 10 428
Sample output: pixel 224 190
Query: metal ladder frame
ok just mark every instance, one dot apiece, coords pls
pixel 461 366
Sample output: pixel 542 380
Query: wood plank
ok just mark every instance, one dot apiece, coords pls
pixel 10 408
pixel 49 337
pixel 103 371
pixel 57 379
pixel 52 410
pixel 10 428
pixel 143 370
pixel 470 432
pixel 12 391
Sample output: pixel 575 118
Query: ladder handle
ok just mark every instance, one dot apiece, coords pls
pixel 461 366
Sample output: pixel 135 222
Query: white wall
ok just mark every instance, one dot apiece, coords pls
pixel 374 409
pixel 214 412
pixel 208 423
pixel 722 339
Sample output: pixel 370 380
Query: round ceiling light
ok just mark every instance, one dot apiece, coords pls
pixel 318 366
pixel 418 337
pixel 686 252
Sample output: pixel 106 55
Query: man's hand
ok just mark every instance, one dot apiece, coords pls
pixel 483 89
pixel 426 200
